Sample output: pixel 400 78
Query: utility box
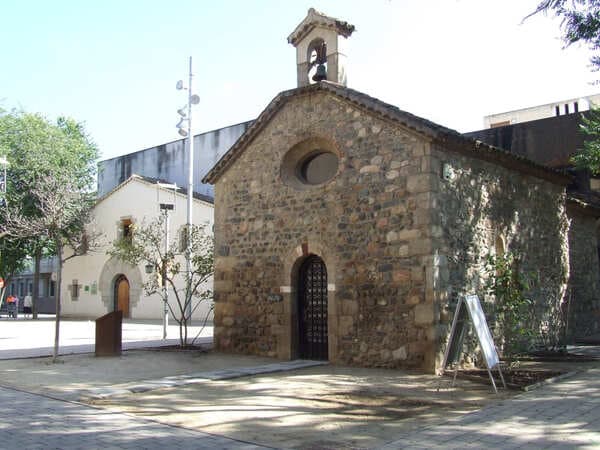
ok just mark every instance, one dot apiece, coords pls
pixel 108 334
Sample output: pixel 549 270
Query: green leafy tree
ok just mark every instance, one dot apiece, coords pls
pixel 147 246
pixel 589 156
pixel 49 188
pixel 580 22
pixel 515 310
pixel 36 149
pixel 13 259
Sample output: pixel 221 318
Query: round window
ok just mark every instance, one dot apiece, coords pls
pixel 318 167
pixel 312 162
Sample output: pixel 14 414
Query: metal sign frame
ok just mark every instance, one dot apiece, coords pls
pixel 486 343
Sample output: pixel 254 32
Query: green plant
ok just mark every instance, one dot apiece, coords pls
pixel 515 310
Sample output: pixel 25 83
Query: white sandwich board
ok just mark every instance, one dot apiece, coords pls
pixel 474 311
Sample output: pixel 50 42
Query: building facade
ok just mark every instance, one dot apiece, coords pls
pixel 170 161
pixel 346 229
pixel 554 109
pixel 96 283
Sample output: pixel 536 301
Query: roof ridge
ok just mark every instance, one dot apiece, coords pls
pixel 404 118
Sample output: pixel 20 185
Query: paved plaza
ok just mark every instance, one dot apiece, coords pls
pixel 562 415
pixel 29 421
pixel 26 338
pixel 42 408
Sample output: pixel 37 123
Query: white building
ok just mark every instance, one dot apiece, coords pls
pixel 96 283
pixel 558 108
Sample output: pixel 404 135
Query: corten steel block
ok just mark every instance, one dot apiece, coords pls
pixel 108 334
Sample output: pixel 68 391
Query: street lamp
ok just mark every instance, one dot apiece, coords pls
pixel 165 208
pixel 186 118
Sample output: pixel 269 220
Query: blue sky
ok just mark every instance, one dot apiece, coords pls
pixel 113 64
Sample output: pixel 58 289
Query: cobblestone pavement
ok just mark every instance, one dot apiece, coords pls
pixel 564 415
pixel 30 421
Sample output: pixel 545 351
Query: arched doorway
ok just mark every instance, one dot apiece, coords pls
pixel 312 309
pixel 122 295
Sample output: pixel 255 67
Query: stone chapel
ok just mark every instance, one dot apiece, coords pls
pixel 346 228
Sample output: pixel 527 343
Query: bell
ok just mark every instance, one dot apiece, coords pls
pixel 320 74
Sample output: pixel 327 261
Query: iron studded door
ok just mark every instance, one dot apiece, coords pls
pixel 312 309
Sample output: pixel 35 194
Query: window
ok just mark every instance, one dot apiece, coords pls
pixel 319 167
pixel 52 288
pixel 566 108
pixel 556 110
pixel 75 290
pixel 313 162
pixel 499 246
pixel 126 229
pixel 576 106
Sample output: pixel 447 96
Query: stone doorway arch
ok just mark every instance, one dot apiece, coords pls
pixel 111 271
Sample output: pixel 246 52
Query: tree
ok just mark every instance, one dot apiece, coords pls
pixel 63 213
pixel 580 22
pixel 13 259
pixel 35 149
pixel 49 188
pixel 589 156
pixel 514 309
pixel 147 246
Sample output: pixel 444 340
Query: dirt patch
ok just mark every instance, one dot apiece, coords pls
pixel 517 379
pixel 549 356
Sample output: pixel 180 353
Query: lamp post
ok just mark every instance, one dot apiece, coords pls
pixel 165 208
pixel 186 119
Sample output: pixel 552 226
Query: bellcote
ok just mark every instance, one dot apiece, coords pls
pixel 320 48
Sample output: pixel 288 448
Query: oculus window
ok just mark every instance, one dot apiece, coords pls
pixel 313 162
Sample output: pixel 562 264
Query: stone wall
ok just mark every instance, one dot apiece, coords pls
pixel 370 224
pixel 584 304
pixel 480 206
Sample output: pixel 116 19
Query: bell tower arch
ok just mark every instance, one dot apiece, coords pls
pixel 320 43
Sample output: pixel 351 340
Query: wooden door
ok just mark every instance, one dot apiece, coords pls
pixel 122 295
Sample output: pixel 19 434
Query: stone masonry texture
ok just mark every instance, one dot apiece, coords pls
pixel 399 240
pixel 583 304
pixel 482 204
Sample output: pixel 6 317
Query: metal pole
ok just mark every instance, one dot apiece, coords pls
pixel 188 251
pixel 164 278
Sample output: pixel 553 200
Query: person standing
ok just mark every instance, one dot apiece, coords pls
pixel 16 303
pixel 10 305
pixel 27 304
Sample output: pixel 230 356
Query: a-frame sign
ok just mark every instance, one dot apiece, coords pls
pixel 470 307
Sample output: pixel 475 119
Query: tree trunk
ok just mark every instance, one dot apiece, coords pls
pixel 36 284
pixel 59 255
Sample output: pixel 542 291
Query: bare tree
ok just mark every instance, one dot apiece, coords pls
pixel 147 246
pixel 62 212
